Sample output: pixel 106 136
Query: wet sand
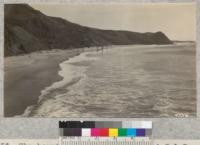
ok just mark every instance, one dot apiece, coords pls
pixel 25 76
pixel 125 82
pixel 167 78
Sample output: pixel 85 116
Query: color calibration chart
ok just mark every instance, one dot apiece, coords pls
pixel 105 133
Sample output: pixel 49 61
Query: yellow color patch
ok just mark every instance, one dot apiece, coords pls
pixel 113 132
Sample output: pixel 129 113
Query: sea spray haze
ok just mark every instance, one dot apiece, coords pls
pixel 58 68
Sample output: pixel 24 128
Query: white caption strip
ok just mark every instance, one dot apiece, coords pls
pixel 29 142
pixel 176 142
pixel 55 142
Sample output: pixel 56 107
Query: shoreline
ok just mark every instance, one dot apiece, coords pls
pixel 21 89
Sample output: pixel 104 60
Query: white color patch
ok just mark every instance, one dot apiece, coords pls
pixel 147 124
pixel 86 132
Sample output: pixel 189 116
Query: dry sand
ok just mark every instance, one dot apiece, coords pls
pixel 25 76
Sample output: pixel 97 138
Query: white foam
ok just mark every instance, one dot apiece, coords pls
pixel 69 72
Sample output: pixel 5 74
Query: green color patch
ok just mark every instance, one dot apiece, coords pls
pixel 122 132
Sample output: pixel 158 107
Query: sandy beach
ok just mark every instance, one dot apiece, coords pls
pixel 28 75
pixel 44 84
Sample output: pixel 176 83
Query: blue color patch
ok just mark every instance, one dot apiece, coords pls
pixel 131 132
pixel 140 132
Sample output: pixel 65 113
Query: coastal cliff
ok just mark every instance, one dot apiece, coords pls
pixel 28 30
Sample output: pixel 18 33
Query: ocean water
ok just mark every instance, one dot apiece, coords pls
pixel 124 81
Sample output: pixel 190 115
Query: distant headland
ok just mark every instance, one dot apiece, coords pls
pixel 28 30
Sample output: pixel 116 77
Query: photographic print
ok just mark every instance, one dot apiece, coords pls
pixel 131 60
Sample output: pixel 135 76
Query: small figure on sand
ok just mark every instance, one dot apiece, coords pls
pixel 100 48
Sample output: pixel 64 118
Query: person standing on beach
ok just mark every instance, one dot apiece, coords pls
pixel 102 50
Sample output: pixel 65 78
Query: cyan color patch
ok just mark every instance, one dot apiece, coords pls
pixel 131 132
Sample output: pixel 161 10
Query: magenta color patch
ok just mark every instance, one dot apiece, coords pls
pixel 95 132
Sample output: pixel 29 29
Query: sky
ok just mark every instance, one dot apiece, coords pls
pixel 176 20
